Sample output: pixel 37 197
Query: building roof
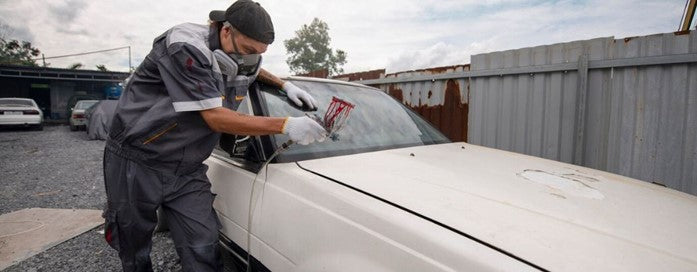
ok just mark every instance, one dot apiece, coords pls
pixel 60 73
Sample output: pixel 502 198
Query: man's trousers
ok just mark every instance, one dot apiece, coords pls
pixel 134 193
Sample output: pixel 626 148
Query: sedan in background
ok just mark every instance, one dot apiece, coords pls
pixel 20 112
pixel 77 116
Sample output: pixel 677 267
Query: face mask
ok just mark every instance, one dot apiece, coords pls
pixel 236 64
pixel 227 65
pixel 247 64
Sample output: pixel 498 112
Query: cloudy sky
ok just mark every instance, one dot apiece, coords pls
pixel 394 34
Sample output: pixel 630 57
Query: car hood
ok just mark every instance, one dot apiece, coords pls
pixel 559 216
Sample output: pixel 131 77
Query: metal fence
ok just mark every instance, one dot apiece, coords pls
pixel 442 102
pixel 627 106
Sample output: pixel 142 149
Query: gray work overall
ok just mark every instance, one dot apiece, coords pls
pixel 157 143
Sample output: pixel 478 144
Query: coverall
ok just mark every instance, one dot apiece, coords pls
pixel 158 141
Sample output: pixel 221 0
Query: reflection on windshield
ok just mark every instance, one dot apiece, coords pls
pixel 378 122
pixel 15 102
pixel 85 104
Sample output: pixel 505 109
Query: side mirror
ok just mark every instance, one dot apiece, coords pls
pixel 240 146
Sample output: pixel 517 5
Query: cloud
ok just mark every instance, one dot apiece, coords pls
pixel 66 12
pixel 392 34
pixel 9 32
pixel 440 54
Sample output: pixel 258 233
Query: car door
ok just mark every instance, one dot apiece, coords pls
pixel 233 166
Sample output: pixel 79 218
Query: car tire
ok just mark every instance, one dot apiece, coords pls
pixel 73 128
pixel 39 127
pixel 162 225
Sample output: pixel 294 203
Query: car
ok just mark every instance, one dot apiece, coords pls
pixel 390 193
pixel 77 114
pixel 20 112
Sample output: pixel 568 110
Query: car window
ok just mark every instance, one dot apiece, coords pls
pixel 84 104
pixel 16 102
pixel 378 121
pixel 234 146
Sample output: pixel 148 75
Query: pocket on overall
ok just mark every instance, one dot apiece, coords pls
pixel 111 229
pixel 158 133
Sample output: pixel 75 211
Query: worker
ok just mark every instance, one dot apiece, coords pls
pixel 168 120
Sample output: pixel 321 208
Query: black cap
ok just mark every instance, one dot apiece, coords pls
pixel 249 18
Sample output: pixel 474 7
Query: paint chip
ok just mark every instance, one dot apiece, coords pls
pixel 562 184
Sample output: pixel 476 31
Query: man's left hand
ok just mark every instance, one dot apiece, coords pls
pixel 299 96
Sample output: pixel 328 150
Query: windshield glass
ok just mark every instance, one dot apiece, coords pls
pixel 16 102
pixel 377 122
pixel 81 105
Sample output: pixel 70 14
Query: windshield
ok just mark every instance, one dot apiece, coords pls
pixel 81 105
pixel 16 102
pixel 377 122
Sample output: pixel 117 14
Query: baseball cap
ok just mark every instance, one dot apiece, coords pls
pixel 249 18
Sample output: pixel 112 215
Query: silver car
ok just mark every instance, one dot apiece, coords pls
pixel 77 116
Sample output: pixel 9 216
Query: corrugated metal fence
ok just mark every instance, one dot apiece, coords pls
pixel 442 102
pixel 627 106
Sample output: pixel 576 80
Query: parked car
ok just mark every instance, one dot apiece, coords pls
pixel 391 193
pixel 77 97
pixel 77 114
pixel 20 112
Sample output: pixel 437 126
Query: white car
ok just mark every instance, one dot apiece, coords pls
pixel 391 193
pixel 20 112
pixel 77 116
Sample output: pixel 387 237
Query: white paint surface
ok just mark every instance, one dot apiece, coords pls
pixel 620 224
pixel 562 184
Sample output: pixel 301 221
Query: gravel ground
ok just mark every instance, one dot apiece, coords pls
pixel 57 168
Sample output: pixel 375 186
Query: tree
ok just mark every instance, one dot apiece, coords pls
pixel 14 52
pixel 75 66
pixel 309 50
pixel 102 67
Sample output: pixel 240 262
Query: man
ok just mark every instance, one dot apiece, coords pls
pixel 169 119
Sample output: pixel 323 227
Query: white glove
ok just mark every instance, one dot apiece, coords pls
pixel 296 94
pixel 304 130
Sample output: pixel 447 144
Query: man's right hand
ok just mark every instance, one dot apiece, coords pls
pixel 304 130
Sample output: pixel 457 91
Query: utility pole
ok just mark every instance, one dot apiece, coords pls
pixel 43 58
pixel 130 67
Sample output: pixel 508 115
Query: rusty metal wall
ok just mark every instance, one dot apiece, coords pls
pixel 638 121
pixel 372 74
pixel 441 102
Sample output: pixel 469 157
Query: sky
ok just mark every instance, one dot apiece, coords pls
pixel 397 35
